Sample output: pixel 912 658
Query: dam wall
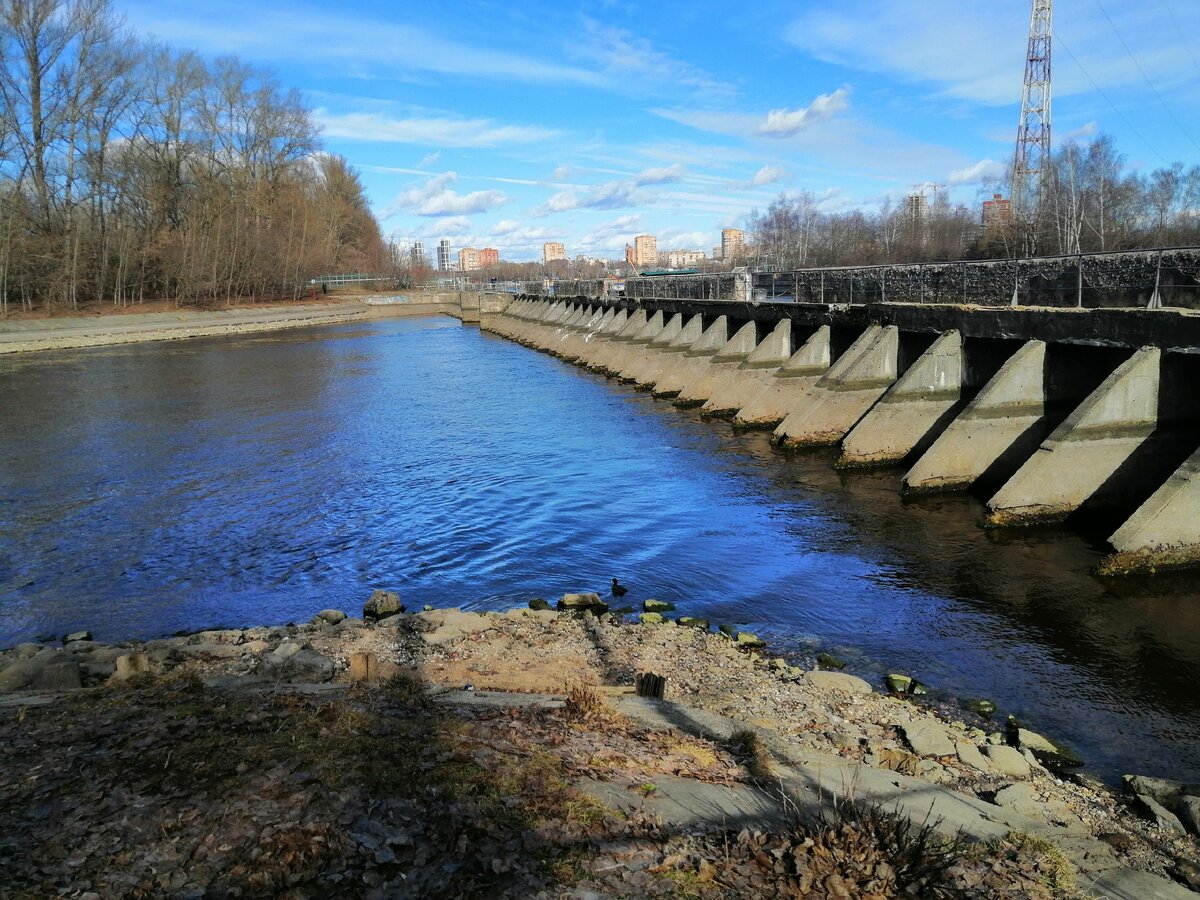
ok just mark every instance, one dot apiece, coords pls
pixel 1080 415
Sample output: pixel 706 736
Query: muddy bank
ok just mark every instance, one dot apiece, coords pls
pixel 451 753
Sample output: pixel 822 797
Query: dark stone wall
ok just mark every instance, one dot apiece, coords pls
pixel 1121 280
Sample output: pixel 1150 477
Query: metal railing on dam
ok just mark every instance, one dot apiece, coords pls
pixel 1085 415
pixel 1136 278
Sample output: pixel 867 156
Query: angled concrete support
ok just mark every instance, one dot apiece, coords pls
pixel 601 339
pixel 571 346
pixel 1007 419
pixel 745 382
pixel 638 343
pixel 694 359
pixel 1164 532
pixel 649 354
pixel 780 394
pixel 916 405
pixel 732 354
pixel 606 353
pixel 1085 451
pixel 832 406
pixel 570 337
pixel 669 355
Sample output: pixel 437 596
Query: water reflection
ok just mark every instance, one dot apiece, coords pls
pixel 152 488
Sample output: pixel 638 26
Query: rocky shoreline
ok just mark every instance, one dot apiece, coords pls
pixel 821 738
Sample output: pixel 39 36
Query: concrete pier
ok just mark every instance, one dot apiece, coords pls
pixel 626 355
pixel 1088 415
pixel 694 360
pixel 835 403
pixel 917 405
pixel 1163 532
pixel 646 357
pixel 591 353
pixel 747 380
pixel 612 347
pixel 732 354
pixel 1006 419
pixel 1082 454
pixel 783 390
pixel 667 356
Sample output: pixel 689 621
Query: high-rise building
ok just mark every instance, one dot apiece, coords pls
pixel 416 255
pixel 468 259
pixel 645 250
pixel 997 212
pixel 445 257
pixel 915 205
pixel 488 256
pixel 733 244
pixel 552 250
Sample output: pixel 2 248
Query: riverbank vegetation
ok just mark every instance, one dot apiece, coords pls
pixel 1092 203
pixel 131 171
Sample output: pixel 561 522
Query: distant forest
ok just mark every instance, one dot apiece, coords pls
pixel 1090 203
pixel 131 171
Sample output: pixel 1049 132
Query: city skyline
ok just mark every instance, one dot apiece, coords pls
pixel 511 127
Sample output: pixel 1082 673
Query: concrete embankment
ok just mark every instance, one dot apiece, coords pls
pixel 1049 415
pixel 738 739
pixel 26 335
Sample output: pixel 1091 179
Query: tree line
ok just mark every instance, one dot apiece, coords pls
pixel 1090 201
pixel 133 171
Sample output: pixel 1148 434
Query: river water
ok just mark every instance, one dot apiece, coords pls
pixel 239 481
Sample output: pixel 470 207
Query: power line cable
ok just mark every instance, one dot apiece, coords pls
pixel 1170 113
pixel 1124 118
pixel 1179 30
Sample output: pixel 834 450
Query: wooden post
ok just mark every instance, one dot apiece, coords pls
pixel 651 685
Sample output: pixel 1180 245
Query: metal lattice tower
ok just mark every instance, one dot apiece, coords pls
pixel 1033 129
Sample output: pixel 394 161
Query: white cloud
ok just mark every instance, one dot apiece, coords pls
pixel 787 122
pixel 662 175
pixel 452 226
pixel 434 131
pixel 562 173
pixel 1087 130
pixel 985 168
pixel 611 195
pixel 769 175
pixel 429 159
pixel 449 203
pixel 433 197
pixel 612 235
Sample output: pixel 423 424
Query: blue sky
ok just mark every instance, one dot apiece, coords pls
pixel 509 124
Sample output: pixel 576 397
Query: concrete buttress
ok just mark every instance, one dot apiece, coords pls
pixel 694 359
pixel 731 355
pixel 1164 532
pixel 917 404
pixel 667 356
pixel 605 354
pixel 835 403
pixel 1006 418
pixel 650 353
pixel 637 344
pixel 745 382
pixel 1081 455
pixel 780 394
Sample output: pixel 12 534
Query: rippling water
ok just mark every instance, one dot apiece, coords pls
pixel 239 481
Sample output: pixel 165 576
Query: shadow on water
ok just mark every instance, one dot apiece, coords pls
pixel 153 488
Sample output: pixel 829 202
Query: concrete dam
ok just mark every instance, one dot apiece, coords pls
pixel 1079 415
